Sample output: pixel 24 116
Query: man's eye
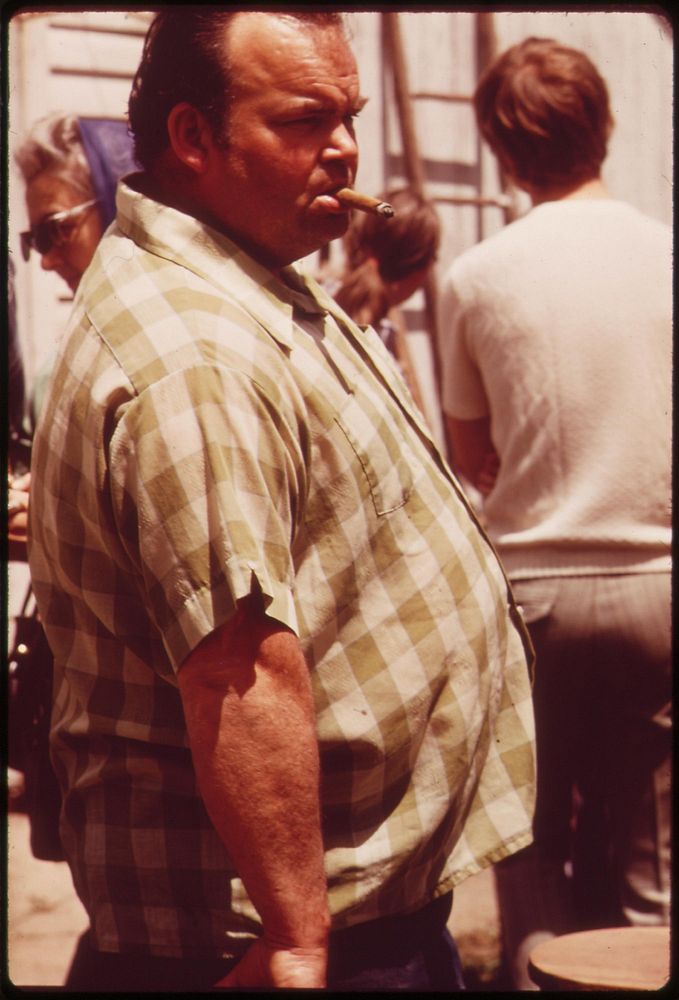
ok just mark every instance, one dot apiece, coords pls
pixel 319 120
pixel 308 121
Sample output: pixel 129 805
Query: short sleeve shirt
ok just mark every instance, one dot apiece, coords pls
pixel 576 377
pixel 212 431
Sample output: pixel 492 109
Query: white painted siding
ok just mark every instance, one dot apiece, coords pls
pixel 83 62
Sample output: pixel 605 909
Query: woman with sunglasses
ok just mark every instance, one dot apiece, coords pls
pixel 71 167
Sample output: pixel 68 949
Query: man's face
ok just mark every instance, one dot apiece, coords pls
pixel 290 138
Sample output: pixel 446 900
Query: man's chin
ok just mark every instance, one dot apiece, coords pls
pixel 317 231
pixel 332 225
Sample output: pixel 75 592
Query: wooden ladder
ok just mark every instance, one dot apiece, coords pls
pixel 405 101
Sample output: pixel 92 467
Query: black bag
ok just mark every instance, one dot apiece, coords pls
pixel 30 707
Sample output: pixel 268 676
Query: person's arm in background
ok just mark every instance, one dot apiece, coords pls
pixel 474 455
pixel 460 323
pixel 17 515
pixel 251 724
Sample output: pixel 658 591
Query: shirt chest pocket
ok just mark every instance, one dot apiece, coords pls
pixel 385 460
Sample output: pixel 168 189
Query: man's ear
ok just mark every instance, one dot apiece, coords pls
pixel 190 136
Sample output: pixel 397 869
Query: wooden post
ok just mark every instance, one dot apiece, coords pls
pixel 414 168
pixel 413 163
pixel 403 356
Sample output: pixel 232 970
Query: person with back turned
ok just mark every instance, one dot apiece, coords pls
pixel 292 688
pixel 556 340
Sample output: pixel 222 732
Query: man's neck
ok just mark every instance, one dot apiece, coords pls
pixel 592 189
pixel 166 189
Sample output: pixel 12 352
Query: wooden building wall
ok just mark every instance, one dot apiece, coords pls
pixel 82 62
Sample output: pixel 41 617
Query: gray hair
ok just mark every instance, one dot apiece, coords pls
pixel 54 144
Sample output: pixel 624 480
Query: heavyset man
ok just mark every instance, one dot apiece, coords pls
pixel 292 697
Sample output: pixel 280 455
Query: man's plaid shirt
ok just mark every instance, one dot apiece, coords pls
pixel 211 430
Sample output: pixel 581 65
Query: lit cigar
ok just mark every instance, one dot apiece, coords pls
pixel 351 198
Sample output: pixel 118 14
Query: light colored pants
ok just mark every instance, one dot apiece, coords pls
pixel 601 854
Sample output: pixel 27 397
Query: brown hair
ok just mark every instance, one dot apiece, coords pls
pixel 544 110
pixel 398 246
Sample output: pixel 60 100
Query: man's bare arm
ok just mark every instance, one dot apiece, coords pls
pixel 251 723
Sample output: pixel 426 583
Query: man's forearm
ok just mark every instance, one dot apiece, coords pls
pixel 250 719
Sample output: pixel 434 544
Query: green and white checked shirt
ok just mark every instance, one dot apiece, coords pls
pixel 210 430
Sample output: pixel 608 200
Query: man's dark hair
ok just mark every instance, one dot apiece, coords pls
pixel 184 60
pixel 543 108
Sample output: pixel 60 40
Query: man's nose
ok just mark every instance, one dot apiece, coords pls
pixel 341 144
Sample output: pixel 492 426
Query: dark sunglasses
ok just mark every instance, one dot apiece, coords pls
pixel 51 230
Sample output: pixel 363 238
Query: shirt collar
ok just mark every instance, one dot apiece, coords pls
pixel 176 236
pixel 166 232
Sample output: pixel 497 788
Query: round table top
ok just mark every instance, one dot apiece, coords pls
pixel 623 958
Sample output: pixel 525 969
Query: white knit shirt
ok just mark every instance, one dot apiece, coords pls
pixel 559 327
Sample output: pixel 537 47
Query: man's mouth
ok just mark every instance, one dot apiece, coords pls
pixel 328 201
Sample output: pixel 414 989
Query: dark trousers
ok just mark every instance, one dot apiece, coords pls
pixel 413 952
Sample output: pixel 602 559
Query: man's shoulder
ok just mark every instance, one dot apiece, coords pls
pixel 156 315
pixel 511 234
pixel 496 253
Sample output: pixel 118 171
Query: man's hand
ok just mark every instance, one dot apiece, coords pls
pixel 264 965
